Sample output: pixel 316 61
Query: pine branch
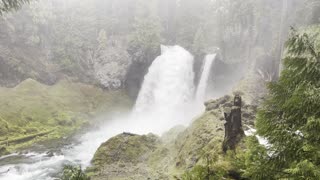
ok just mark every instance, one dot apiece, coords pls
pixel 10 5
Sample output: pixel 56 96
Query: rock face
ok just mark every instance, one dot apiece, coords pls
pixel 225 75
pixel 111 67
pixel 125 157
pixel 202 137
pixel 135 76
pixel 233 126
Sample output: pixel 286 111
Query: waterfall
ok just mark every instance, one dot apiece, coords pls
pixel 169 81
pixel 203 83
pixel 167 90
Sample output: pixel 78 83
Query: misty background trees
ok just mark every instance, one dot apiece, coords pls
pixel 54 39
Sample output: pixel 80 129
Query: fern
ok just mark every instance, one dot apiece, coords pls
pixel 290 116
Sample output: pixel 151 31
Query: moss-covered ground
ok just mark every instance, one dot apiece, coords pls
pixel 33 112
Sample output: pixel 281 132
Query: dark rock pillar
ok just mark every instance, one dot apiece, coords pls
pixel 233 126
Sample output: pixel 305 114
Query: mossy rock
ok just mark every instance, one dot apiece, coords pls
pixel 202 133
pixel 223 102
pixel 32 107
pixel 125 148
pixel 124 157
pixel 172 134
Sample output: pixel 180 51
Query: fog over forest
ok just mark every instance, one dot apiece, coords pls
pixel 159 89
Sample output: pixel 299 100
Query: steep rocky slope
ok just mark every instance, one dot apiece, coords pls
pixel 169 156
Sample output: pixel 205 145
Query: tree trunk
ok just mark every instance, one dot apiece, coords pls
pixel 233 126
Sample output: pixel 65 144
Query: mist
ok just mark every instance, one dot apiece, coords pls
pixel 77 76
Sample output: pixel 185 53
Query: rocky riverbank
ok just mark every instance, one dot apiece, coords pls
pixel 171 156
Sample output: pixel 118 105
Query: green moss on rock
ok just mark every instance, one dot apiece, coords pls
pixel 125 148
pixel 123 157
pixel 31 108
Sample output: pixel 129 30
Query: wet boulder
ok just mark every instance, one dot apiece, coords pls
pixel 124 156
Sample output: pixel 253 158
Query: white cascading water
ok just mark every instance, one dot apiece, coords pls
pixel 169 82
pixel 204 79
pixel 166 96
pixel 164 101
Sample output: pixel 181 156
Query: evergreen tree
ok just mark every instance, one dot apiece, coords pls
pixel 290 116
pixel 167 13
pixel 144 42
pixel 191 14
pixel 145 39
pixel 199 43
pixel 102 39
pixel 8 5
pixel 313 7
pixel 73 173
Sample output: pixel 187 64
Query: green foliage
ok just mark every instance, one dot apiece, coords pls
pixel 73 173
pixel 9 5
pixel 208 171
pixel 199 173
pixel 290 116
pixel 145 40
pixel 313 11
pixel 254 160
pixel 65 38
pixel 217 166
pixel 199 42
